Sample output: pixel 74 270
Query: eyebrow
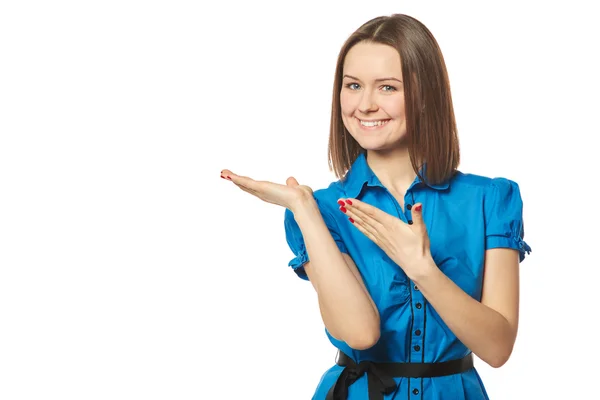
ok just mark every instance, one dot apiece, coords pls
pixel 376 80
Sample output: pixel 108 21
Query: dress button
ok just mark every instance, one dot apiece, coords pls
pixel 410 222
pixel 408 206
pixel 418 332
pixel 416 288
pixel 415 391
pixel 418 305
pixel 417 348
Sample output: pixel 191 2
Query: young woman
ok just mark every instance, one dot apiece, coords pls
pixel 415 264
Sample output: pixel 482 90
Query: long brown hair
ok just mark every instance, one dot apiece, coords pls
pixel 430 122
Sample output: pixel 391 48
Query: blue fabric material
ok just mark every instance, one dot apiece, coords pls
pixel 465 216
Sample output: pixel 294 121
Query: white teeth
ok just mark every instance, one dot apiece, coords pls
pixel 373 123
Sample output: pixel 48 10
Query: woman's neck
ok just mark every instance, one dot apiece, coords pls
pixel 393 168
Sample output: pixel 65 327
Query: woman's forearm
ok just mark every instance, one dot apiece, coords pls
pixel 346 307
pixel 482 329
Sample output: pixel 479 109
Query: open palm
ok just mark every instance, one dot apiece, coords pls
pixel 287 195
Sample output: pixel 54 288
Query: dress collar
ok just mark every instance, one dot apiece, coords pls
pixel 360 174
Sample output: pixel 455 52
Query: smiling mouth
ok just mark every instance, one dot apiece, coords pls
pixel 374 123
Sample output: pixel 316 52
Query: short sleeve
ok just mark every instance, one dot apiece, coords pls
pixel 504 226
pixel 295 240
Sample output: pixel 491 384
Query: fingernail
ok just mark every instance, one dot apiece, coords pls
pixel 341 203
pixel 343 209
pixel 229 177
pixel 349 202
pixel 223 177
pixel 351 220
pixel 417 208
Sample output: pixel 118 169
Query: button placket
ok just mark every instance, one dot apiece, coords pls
pixel 409 200
pixel 417 335
pixel 419 311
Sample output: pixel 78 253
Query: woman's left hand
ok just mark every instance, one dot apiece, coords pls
pixel 407 245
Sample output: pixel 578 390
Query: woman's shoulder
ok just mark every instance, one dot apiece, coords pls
pixel 471 180
pixel 329 195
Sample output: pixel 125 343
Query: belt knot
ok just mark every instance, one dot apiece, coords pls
pixel 379 383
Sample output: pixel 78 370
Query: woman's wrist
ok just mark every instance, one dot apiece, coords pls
pixel 303 204
pixel 423 270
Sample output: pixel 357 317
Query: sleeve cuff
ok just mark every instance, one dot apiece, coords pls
pixel 494 242
pixel 297 263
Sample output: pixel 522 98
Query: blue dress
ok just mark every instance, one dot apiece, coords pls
pixel 464 217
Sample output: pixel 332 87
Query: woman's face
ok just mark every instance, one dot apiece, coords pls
pixel 372 96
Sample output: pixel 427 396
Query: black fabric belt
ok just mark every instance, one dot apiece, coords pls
pixel 380 376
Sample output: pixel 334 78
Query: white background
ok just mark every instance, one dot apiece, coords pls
pixel 130 270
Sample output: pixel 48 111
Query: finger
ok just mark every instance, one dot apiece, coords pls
pixel 372 212
pixel 417 217
pixel 240 180
pixel 252 192
pixel 361 220
pixel 367 232
pixel 371 216
pixel 291 181
pixel 225 174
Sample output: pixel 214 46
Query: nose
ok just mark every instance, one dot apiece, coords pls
pixel 367 103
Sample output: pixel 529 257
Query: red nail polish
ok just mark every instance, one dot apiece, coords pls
pixel 349 202
pixel 343 209
pixel 223 177
pixel 229 177
pixel 351 220
pixel 341 203
pixel 417 208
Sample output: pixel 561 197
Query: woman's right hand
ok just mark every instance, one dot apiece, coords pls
pixel 290 195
